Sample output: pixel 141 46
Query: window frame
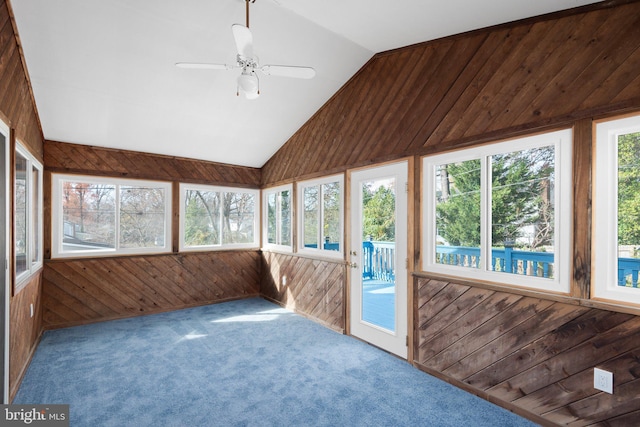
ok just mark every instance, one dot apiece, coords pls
pixel 34 222
pixel 562 140
pixel 604 283
pixel 301 186
pixel 57 216
pixel 265 219
pixel 184 187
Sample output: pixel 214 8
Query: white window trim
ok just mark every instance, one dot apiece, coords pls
pixel 605 210
pixel 562 140
pixel 57 217
pixel 33 224
pixel 265 219
pixel 300 195
pixel 224 246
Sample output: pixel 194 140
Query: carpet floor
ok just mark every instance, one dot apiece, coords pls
pixel 240 363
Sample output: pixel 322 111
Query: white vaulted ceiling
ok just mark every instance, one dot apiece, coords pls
pixel 103 71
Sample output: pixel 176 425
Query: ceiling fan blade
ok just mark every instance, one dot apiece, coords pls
pixel 289 71
pixel 204 66
pixel 244 40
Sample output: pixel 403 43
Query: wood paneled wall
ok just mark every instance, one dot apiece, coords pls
pixel 25 331
pixel 90 290
pixel 530 354
pixel 313 287
pixel 18 111
pixel 471 89
pixel 82 159
pixel 82 291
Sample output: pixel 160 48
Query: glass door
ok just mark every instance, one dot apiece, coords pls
pixel 377 256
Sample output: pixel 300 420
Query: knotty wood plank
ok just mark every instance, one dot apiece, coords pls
pixel 505 41
pixel 598 407
pixel 530 329
pixel 582 157
pixel 599 349
pixel 600 39
pixel 427 289
pixel 501 324
pixel 493 305
pixel 561 339
pixel 435 305
pixel 580 385
pixel 452 312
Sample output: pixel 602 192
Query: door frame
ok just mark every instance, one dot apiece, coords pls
pixel 413 198
pixel 5 168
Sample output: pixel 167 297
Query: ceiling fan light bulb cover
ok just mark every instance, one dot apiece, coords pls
pixel 248 83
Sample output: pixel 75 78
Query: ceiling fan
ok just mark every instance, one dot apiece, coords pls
pixel 248 82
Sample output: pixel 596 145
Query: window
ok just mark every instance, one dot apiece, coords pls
pixel 320 213
pixel 616 207
pixel 28 214
pixel 217 217
pixel 109 216
pixel 501 212
pixel 277 218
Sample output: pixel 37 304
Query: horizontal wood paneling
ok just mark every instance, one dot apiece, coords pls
pixel 84 291
pixel 83 159
pixel 470 89
pixel 533 355
pixel 314 288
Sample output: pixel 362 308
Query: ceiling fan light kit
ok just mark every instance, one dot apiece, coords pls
pixel 248 82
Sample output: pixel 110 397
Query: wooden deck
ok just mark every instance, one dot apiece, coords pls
pixel 378 303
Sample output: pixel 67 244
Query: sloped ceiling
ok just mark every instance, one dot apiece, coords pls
pixel 103 72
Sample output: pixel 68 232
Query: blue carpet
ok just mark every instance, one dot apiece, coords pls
pixel 240 363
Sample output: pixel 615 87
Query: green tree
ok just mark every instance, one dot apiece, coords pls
pixel 629 189
pixel 379 216
pixel 521 188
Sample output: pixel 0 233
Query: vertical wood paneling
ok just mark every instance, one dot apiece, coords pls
pixel 314 288
pixel 84 291
pixel 532 355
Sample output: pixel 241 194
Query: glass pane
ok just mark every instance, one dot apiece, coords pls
pixel 238 218
pixel 36 249
pixel 311 221
pixel 202 218
pixel 285 218
pixel 21 220
pixel 458 214
pixel 142 217
pixel 522 212
pixel 272 223
pixel 331 216
pixel 88 216
pixel 378 253
pixel 628 209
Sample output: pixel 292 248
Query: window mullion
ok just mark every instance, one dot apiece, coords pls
pixel 220 217
pixel 320 217
pixel 485 214
pixel 117 219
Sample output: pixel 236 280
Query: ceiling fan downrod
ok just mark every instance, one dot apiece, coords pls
pixel 247 10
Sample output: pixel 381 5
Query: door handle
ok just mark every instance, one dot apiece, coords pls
pixel 353 264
